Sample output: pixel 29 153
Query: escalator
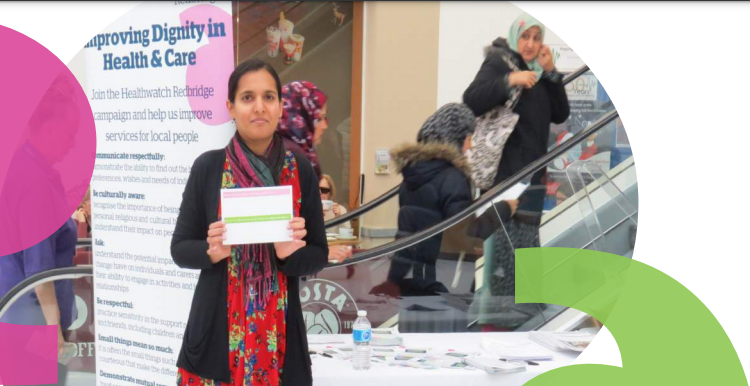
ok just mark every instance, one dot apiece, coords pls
pixel 466 294
pixel 370 205
pixel 467 291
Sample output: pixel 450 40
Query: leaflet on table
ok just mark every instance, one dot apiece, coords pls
pixel 563 341
pixel 448 360
pixel 327 339
pixel 494 366
pixel 511 194
pixel 257 215
pixel 426 358
pixel 526 350
pixel 386 337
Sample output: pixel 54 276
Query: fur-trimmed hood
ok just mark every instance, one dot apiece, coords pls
pixel 419 162
pixel 436 186
pixel 498 45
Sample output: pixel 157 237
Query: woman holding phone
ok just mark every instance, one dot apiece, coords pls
pixel 543 101
pixel 245 325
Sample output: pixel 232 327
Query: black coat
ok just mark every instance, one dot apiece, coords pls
pixel 436 183
pixel 537 108
pixel 436 186
pixel 205 346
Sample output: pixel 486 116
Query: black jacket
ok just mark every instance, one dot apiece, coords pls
pixel 537 108
pixel 205 346
pixel 436 182
pixel 436 186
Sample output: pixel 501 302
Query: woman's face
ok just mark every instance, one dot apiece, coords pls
pixel 530 43
pixel 324 187
pixel 257 107
pixel 86 206
pixel 321 125
pixel 467 145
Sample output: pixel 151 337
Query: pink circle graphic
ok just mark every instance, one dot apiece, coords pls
pixel 49 143
pixel 213 67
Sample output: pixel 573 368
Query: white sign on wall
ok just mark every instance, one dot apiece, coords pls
pixel 566 60
pixel 583 88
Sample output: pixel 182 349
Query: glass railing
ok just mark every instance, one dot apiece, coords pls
pixel 457 274
pixel 74 290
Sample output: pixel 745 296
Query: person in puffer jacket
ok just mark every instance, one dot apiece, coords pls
pixel 436 185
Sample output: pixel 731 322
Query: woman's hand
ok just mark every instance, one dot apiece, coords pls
pixel 336 209
pixel 545 59
pixel 79 215
pixel 60 340
pixel 338 254
pixel 286 248
pixel 217 251
pixel 513 204
pixel 525 79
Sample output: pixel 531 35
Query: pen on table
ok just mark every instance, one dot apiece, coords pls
pixel 532 363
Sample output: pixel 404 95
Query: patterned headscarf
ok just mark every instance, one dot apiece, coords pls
pixel 303 102
pixel 521 25
pixel 450 124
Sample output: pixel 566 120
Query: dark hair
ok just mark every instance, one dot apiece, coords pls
pixel 250 65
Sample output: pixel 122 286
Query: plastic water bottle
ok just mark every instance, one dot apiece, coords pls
pixel 68 351
pixel 362 334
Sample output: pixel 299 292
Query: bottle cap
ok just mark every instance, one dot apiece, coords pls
pixel 361 313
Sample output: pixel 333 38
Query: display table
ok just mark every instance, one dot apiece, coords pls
pixel 330 371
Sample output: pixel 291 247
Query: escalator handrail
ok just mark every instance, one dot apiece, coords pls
pixel 389 194
pixel 486 198
pixel 575 74
pixel 364 208
pixel 79 270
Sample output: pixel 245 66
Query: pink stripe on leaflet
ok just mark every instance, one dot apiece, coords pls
pixel 28 355
pixel 259 193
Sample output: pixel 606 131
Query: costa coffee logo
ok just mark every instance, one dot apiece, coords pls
pixel 327 307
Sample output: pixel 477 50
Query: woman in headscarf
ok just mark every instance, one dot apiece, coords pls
pixel 542 101
pixel 245 325
pixel 304 120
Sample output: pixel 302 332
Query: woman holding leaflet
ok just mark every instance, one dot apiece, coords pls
pixel 245 325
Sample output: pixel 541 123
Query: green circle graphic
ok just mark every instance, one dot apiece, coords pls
pixel 666 335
